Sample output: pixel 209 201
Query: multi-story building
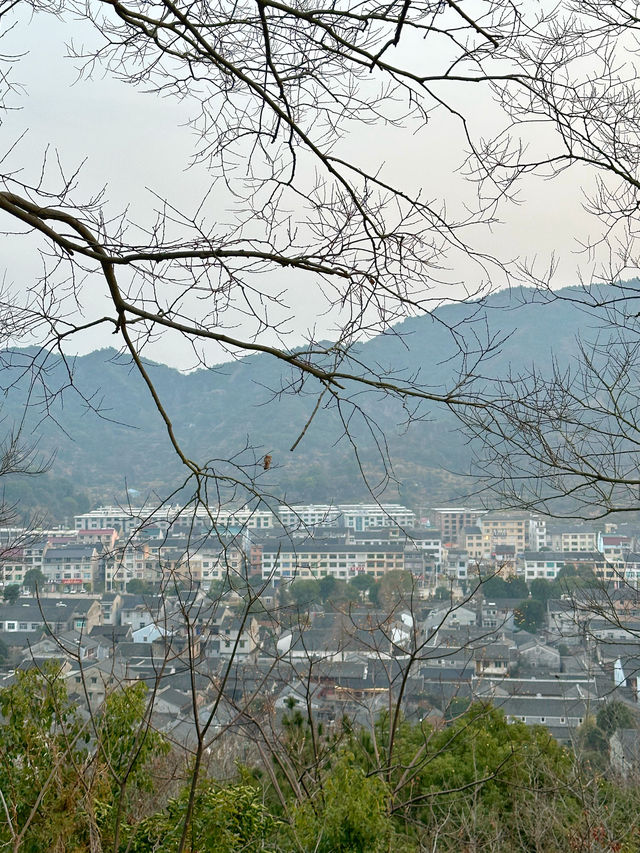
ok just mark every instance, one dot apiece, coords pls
pixel 175 519
pixel 501 529
pixel 579 540
pixel 63 560
pixel 71 565
pixel 123 519
pixel 353 516
pixel 317 560
pixel 538 535
pixel 158 521
pixel 455 563
pixel 471 539
pixel 106 536
pixel 156 560
pixel 126 562
pixel 13 568
pixel 236 636
pixel 496 531
pixel 451 521
pixel 614 547
pixel 428 542
pixel 33 553
pixel 547 564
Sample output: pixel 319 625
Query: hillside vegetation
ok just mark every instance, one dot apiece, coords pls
pixel 96 419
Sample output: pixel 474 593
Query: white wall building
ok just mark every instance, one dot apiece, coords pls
pixel 353 516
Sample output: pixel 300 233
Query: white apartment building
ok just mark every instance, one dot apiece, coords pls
pixel 538 535
pixel 352 516
pixel 123 519
pixel 547 564
pixel 129 519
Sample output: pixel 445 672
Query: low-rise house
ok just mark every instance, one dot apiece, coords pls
pixel 497 614
pixel 138 611
pixel 112 634
pixel 168 700
pixel 32 615
pixel 559 687
pixel 235 635
pixel 69 644
pixel 111 603
pixel 565 621
pixel 539 655
pixel 561 716
pixel 95 680
pixel 448 616
pixel 618 629
pixel 148 633
pixel 494 659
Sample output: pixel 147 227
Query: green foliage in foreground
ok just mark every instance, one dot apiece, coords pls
pixel 225 819
pixel 350 814
pixel 478 783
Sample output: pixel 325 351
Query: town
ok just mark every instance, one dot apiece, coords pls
pixel 339 609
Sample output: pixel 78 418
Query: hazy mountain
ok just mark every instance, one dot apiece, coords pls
pixel 98 419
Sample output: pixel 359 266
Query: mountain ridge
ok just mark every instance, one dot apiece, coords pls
pixel 241 409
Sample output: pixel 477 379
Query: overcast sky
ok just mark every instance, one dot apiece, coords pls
pixel 133 142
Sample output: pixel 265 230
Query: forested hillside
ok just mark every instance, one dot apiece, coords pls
pixel 96 420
